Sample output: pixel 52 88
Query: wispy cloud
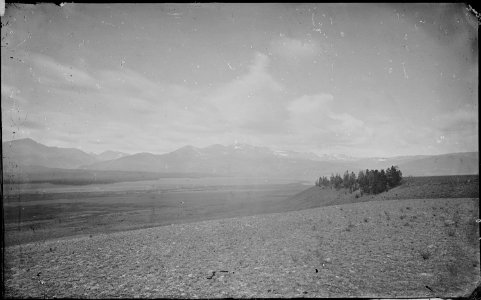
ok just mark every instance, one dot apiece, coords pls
pixel 131 82
pixel 289 48
pixel 83 103
pixel 52 73
pixel 313 115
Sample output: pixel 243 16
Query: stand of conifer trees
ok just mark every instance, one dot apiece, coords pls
pixel 368 181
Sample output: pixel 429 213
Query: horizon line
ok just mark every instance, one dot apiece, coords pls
pixel 236 143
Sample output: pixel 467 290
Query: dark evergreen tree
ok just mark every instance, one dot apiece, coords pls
pixel 381 182
pixel 345 180
pixel 352 182
pixel 394 176
pixel 337 181
pixel 362 181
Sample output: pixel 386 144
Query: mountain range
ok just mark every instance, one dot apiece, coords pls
pixel 28 152
pixel 235 160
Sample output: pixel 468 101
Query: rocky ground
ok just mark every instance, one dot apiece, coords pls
pixel 397 248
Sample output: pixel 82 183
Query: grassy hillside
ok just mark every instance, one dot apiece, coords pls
pixel 380 249
pixel 452 163
pixel 424 245
pixel 462 186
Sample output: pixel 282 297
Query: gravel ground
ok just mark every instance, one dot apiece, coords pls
pixel 398 248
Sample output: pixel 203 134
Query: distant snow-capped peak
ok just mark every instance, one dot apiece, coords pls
pixel 336 157
pixel 281 153
pixel 296 155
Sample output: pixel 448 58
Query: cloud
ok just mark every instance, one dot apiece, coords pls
pixel 456 131
pixel 313 112
pixel 113 90
pixel 51 72
pixel 13 111
pixel 66 102
pixel 463 119
pixel 32 125
pixel 312 121
pixel 294 48
pixel 103 106
pixel 11 96
pixel 252 101
pixel 131 82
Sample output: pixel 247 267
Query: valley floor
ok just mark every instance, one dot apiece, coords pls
pixel 397 248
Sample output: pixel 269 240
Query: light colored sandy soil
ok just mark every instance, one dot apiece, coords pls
pixel 398 248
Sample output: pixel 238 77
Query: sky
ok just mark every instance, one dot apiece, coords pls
pixel 361 80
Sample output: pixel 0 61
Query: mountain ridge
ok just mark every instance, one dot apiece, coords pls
pixel 233 160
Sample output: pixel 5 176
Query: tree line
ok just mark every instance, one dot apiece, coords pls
pixel 368 181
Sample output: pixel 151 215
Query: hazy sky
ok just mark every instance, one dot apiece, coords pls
pixel 354 79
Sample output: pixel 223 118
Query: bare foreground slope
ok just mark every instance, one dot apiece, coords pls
pixel 397 248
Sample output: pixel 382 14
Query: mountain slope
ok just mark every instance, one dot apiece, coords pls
pixel 109 155
pixel 28 152
pixel 245 160
pixel 446 164
pixel 236 160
